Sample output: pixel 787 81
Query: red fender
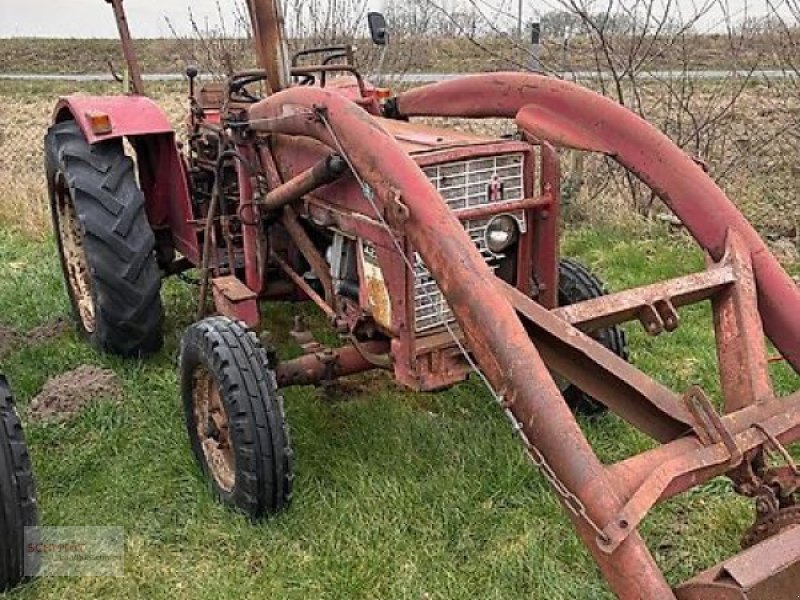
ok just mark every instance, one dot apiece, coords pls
pixel 569 115
pixel 162 172
pixel 130 115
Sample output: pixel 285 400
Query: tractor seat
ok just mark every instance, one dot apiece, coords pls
pixel 211 95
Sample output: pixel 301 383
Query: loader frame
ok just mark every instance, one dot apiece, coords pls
pixel 744 283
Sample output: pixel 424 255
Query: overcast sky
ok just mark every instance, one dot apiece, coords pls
pixel 93 18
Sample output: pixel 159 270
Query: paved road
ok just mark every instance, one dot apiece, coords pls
pixel 426 77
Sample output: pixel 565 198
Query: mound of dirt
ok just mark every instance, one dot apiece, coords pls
pixel 10 338
pixel 47 331
pixel 65 395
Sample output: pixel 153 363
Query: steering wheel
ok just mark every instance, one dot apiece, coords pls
pixel 237 89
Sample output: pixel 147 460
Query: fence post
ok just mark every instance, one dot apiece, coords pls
pixel 535 63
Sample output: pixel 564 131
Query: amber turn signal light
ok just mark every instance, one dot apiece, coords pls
pixel 100 122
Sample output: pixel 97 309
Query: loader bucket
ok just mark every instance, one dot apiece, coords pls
pixel 767 571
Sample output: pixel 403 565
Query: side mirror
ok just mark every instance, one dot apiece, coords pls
pixel 377 28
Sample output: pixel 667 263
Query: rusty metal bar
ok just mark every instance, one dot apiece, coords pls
pixel 322 173
pixel 662 473
pixel 254 244
pixel 642 401
pixel 546 229
pixel 309 251
pixel 303 285
pixel 741 349
pixel 488 210
pixel 686 462
pixel 625 306
pixel 134 70
pixel 329 364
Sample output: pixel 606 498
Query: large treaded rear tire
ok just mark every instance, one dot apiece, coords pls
pixel 117 305
pixel 256 476
pixel 18 508
pixel 576 283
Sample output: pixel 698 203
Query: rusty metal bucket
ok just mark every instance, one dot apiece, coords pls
pixel 767 571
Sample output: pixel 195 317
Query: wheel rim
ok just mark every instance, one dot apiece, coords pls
pixel 213 432
pixel 75 263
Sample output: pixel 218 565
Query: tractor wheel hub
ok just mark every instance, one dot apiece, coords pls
pixel 212 430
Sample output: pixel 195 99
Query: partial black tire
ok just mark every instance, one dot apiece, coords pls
pixel 17 494
pixel 576 284
pixel 105 242
pixel 235 417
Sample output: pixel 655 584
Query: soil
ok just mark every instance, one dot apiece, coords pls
pixel 10 338
pixel 47 331
pixel 64 396
pixel 353 386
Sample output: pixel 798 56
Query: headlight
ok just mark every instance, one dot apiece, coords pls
pixel 501 232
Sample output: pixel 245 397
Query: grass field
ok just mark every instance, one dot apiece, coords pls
pixel 398 495
pixel 417 54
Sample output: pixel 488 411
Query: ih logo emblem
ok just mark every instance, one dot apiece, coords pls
pixel 494 191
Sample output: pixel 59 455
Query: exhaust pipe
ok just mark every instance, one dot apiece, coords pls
pixel 269 38
pixel 134 70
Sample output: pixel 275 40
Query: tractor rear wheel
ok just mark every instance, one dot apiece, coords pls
pixel 576 283
pixel 105 242
pixel 17 496
pixel 235 418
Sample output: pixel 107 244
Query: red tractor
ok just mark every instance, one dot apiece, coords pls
pixel 434 253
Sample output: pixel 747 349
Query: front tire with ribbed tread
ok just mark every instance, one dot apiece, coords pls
pixel 18 507
pixel 256 429
pixel 96 186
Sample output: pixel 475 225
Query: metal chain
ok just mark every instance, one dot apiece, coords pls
pixel 571 501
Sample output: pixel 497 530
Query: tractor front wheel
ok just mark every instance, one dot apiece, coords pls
pixel 105 242
pixel 235 418
pixel 17 496
pixel 576 284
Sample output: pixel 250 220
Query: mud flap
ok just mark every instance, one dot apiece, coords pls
pixel 767 571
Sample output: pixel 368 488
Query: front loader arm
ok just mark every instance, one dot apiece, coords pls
pixel 494 333
pixel 605 503
pixel 568 115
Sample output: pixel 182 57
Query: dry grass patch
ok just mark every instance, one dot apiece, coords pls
pixel 760 177
pixel 22 192
pixel 27 112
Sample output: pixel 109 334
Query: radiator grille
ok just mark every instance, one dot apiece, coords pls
pixel 464 184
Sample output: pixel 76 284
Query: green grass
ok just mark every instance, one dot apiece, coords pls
pixel 398 495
